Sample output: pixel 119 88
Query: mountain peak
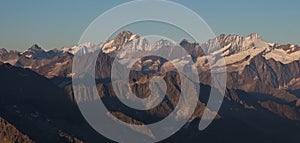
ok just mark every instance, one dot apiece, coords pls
pixel 124 34
pixel 35 47
pixel 3 51
pixel 235 37
pixel 229 36
pixel 184 41
pixel 81 49
pixel 254 36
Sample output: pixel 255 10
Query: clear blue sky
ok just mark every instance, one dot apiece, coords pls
pixel 58 23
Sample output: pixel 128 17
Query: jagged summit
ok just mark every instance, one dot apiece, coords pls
pixel 254 36
pixel 230 38
pixel 80 49
pixel 35 47
pixel 3 51
pixel 124 37
pixel 120 40
pixel 107 46
pixel 234 42
pixel 124 34
pixel 184 41
pixel 230 46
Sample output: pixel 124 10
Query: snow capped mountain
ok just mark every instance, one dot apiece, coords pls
pixel 231 44
pixel 239 51
pixel 106 47
pixel 283 53
pixel 129 52
pixel 118 42
pixel 81 49
pixel 252 64
pixel 36 52
pixel 234 46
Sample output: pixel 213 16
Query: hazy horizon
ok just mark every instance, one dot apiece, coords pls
pixel 56 24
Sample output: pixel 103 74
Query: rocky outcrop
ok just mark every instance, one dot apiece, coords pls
pixel 10 134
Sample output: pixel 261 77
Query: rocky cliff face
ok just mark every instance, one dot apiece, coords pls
pixel 9 134
pixel 267 71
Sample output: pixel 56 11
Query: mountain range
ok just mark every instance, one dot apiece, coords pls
pixel 261 103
